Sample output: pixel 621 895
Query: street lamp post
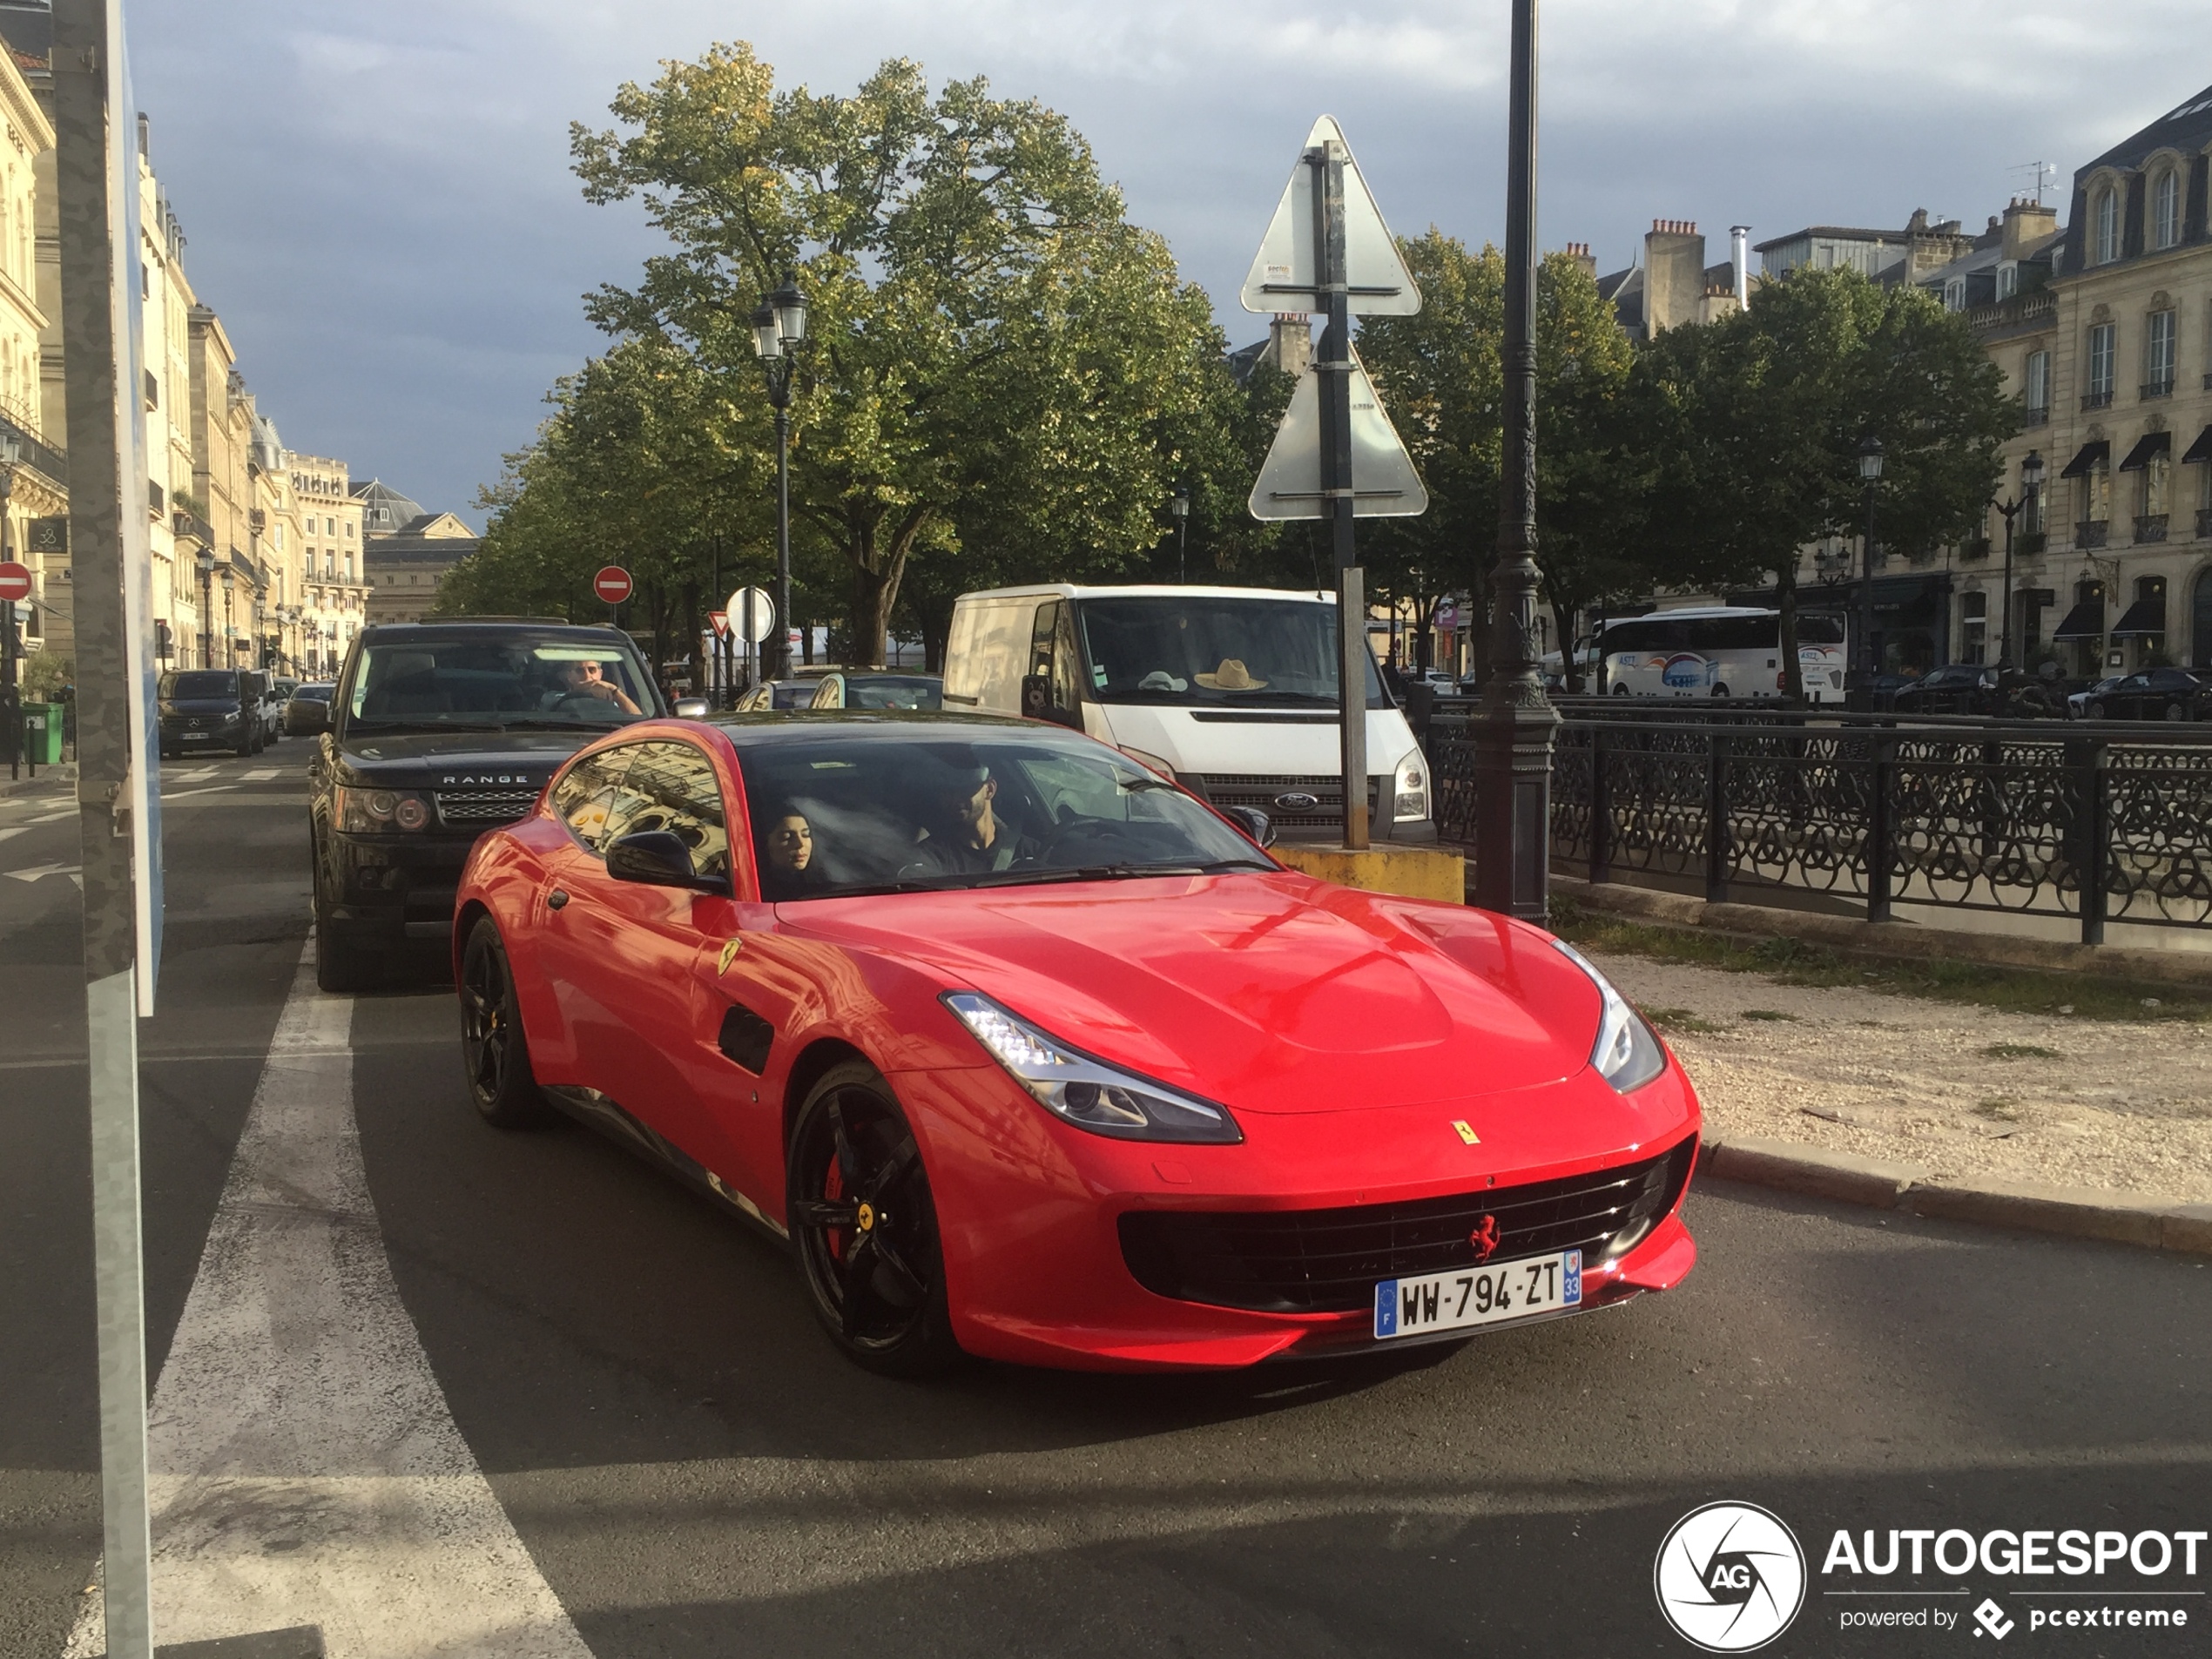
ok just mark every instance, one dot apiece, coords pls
pixel 11 704
pixel 1870 473
pixel 207 563
pixel 1513 726
pixel 778 325
pixel 1179 504
pixel 2031 482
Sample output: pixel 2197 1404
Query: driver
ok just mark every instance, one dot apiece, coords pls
pixel 573 678
pixel 965 835
pixel 788 868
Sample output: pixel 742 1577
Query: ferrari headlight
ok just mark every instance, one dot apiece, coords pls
pixel 1625 1054
pixel 1089 1092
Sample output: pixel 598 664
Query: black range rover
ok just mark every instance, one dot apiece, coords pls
pixel 436 733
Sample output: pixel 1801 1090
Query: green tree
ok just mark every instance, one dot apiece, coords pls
pixel 997 359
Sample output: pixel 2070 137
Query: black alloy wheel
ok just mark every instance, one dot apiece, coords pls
pixel 2176 712
pixel 865 1227
pixel 494 1053
pixel 2096 711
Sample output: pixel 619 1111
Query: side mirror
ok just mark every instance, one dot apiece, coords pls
pixel 659 858
pixel 1037 704
pixel 691 708
pixel 1253 822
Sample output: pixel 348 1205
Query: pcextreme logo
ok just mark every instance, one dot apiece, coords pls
pixel 1729 1577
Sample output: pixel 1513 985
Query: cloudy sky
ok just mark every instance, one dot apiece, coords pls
pixel 378 200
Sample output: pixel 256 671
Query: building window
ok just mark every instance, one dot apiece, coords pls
pixel 1973 624
pixel 2101 341
pixel 2166 210
pixel 2156 472
pixel 2037 376
pixel 1954 293
pixel 2158 356
pixel 2104 225
pixel 2008 280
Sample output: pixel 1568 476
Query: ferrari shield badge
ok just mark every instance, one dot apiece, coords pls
pixel 730 949
pixel 1466 1130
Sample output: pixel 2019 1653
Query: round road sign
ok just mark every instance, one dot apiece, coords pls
pixel 611 584
pixel 14 580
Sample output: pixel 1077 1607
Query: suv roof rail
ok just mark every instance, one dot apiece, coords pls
pixel 439 622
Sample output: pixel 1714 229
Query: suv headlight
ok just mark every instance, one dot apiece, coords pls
pixel 1410 789
pixel 1088 1092
pixel 377 812
pixel 1625 1053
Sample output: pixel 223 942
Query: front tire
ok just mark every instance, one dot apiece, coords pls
pixel 495 1050
pixel 340 965
pixel 864 1227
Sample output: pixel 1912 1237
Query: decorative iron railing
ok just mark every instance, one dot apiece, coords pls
pixel 2093 823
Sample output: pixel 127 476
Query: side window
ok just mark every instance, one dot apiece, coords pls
pixel 672 786
pixel 585 795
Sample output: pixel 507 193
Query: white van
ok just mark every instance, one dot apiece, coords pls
pixel 1233 691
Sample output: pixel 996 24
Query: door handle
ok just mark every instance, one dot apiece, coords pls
pixel 556 899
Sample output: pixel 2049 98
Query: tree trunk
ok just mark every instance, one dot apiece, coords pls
pixel 694 626
pixel 1785 588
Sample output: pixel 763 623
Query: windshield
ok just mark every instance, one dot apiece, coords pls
pixel 837 816
pixel 199 684
pixel 313 693
pixel 891 691
pixel 510 680
pixel 1215 651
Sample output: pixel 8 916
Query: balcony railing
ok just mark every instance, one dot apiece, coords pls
pixel 40 456
pixel 2033 542
pixel 2090 535
pixel 2097 399
pixel 182 523
pixel 2034 415
pixel 2204 521
pixel 2158 388
pixel 1974 547
pixel 2150 527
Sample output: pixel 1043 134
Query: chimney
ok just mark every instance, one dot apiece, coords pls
pixel 1290 342
pixel 1674 274
pixel 1739 255
pixel 146 140
pixel 1579 253
pixel 2027 220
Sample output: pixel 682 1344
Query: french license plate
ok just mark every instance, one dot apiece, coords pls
pixel 1470 1295
pixel 197 736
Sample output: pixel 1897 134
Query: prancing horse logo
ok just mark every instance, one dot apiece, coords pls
pixel 1484 1239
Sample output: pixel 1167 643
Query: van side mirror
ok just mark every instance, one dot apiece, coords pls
pixel 1037 704
pixel 659 858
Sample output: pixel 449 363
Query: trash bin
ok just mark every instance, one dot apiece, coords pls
pixel 42 733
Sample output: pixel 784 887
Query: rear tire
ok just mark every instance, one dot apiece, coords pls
pixel 864 1227
pixel 495 1050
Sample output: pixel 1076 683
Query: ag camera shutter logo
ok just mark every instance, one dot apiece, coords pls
pixel 1729 1577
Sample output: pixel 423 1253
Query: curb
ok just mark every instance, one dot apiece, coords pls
pixel 2077 1212
pixel 62 772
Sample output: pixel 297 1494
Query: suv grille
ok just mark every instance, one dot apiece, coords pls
pixel 483 809
pixel 1248 789
pixel 1315 1261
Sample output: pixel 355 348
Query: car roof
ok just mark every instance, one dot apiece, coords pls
pixel 871 726
pixel 1148 591
pixel 493 627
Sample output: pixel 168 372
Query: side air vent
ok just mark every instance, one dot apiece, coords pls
pixel 745 1037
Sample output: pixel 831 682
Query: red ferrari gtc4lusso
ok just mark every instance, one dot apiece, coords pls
pixel 1029 1053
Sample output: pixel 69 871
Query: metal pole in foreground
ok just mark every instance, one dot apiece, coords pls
pixel 1513 725
pixel 1334 368
pixel 88 94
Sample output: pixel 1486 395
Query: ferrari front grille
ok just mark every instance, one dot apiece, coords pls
pixel 483 809
pixel 1320 1261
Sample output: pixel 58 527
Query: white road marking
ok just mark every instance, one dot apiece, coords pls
pixel 306 1469
pixel 40 871
pixel 260 774
pixel 213 789
pixel 13 829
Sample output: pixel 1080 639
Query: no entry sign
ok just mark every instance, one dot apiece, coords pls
pixel 14 580
pixel 611 584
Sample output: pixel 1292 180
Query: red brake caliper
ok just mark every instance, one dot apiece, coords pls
pixel 833 1189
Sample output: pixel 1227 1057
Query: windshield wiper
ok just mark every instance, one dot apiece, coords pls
pixel 1134 784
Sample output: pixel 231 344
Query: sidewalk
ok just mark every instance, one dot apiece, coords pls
pixel 60 777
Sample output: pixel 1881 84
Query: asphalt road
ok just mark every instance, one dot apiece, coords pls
pixel 693 1472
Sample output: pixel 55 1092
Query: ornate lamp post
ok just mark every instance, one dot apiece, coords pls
pixel 2032 484
pixel 1870 473
pixel 207 563
pixel 1179 504
pixel 11 452
pixel 778 325
pixel 1513 727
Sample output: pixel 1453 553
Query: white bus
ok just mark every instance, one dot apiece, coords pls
pixel 1718 651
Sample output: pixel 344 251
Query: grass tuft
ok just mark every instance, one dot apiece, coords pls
pixel 1769 1014
pixel 1682 1019
pixel 2021 1051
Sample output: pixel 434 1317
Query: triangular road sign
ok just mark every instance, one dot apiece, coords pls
pixel 721 619
pixel 1283 277
pixel 1383 483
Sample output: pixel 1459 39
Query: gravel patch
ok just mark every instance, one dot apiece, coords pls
pixel 1960 1092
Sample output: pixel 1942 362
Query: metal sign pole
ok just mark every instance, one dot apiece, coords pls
pixel 1334 368
pixel 88 91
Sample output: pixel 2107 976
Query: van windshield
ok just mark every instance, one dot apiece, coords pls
pixel 198 684
pixel 1215 651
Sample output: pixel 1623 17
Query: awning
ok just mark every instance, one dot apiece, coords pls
pixel 2085 621
pixel 2201 449
pixel 2151 444
pixel 2145 619
pixel 2090 456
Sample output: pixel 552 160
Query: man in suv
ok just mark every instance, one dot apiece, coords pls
pixel 436 733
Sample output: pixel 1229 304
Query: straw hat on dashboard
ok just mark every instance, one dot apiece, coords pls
pixel 1232 676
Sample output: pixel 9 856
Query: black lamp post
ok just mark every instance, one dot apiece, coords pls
pixel 2032 484
pixel 1179 504
pixel 778 325
pixel 206 562
pixel 1870 473
pixel 11 697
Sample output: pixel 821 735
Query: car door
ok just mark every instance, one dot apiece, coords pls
pixel 578 936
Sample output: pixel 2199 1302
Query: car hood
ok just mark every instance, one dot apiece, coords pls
pixel 1272 992
pixel 458 760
